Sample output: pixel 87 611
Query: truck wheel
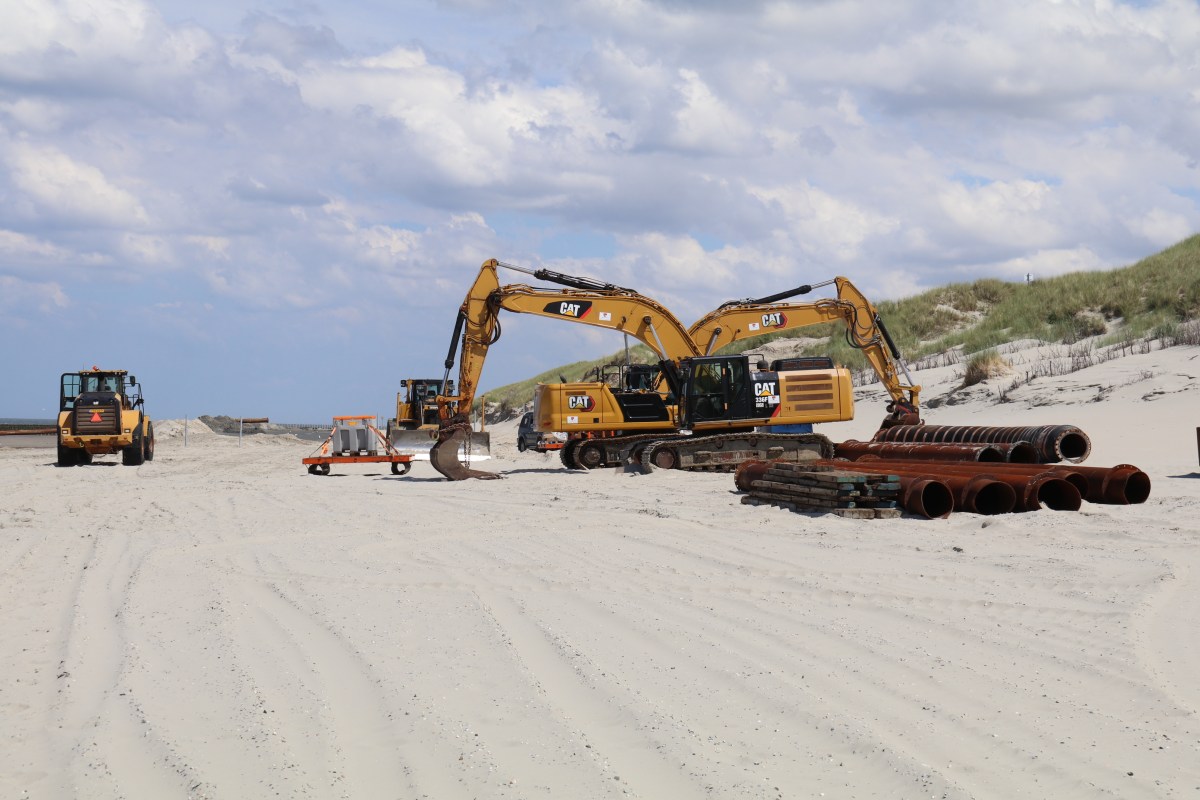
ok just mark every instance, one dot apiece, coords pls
pixel 150 441
pixel 68 456
pixel 134 455
pixel 521 445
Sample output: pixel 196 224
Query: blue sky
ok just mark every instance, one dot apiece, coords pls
pixel 276 209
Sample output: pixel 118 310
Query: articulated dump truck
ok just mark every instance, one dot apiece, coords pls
pixel 705 412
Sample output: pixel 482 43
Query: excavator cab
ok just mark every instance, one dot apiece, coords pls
pixel 717 388
pixel 731 390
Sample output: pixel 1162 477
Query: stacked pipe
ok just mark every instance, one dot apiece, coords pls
pixel 924 496
pixel 1053 443
pixel 1028 491
pixel 834 488
pixel 1121 485
pixel 1016 452
pixel 977 492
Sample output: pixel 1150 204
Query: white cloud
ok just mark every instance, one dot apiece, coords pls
pixel 1048 263
pixel 21 247
pixel 822 224
pixel 1008 212
pixel 63 187
pixel 18 297
pixel 703 121
pixel 1163 228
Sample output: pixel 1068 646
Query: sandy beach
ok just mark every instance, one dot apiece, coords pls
pixel 218 623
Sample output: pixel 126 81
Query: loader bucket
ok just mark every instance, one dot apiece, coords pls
pixel 446 456
pixel 418 443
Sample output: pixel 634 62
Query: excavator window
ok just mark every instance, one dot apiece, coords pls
pixel 719 389
pixel 707 395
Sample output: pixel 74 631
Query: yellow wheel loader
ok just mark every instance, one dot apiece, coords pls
pixel 413 431
pixel 101 412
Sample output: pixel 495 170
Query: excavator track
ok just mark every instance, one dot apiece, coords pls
pixel 444 457
pixel 724 452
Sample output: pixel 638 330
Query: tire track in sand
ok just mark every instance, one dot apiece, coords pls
pixel 363 752
pixel 1167 643
pixel 587 708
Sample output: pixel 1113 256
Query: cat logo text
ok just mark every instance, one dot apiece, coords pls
pixel 580 402
pixel 577 309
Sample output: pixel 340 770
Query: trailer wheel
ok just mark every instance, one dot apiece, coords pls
pixel 401 468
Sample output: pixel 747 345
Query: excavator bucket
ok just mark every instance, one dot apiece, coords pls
pixel 447 455
pixel 418 443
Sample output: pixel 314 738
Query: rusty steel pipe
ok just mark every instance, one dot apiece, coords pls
pixel 1033 488
pixel 852 450
pixel 1120 485
pixel 748 472
pixel 1019 452
pixel 924 495
pixel 1123 484
pixel 1053 443
pixel 976 493
pixel 1053 492
pixel 1071 474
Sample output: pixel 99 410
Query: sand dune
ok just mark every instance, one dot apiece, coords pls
pixel 220 624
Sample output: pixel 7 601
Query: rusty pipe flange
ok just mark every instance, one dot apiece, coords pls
pixel 1053 492
pixel 1020 452
pixel 926 496
pixel 986 495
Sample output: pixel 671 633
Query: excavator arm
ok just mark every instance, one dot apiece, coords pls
pixel 865 331
pixel 478 327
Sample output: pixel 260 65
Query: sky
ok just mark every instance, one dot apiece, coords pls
pixel 275 209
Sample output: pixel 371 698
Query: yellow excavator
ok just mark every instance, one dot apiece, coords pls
pixel 811 389
pixel 477 328
pixel 865 331
pixel 723 398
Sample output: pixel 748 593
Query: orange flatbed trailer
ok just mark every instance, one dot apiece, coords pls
pixel 319 465
pixel 401 464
